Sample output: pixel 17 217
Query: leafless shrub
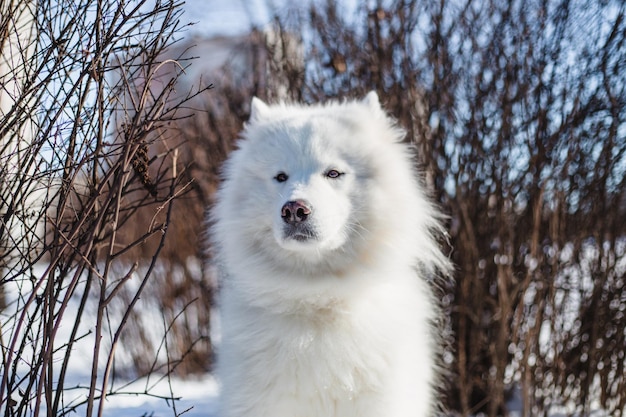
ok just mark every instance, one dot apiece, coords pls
pixel 83 156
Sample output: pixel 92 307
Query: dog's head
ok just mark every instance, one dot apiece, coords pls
pixel 310 172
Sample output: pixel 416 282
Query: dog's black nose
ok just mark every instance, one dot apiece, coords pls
pixel 294 212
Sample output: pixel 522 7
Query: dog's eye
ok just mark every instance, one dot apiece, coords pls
pixel 333 173
pixel 281 177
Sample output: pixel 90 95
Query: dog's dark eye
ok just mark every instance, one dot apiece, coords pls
pixel 333 173
pixel 281 177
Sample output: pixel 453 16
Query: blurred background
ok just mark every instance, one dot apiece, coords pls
pixel 516 109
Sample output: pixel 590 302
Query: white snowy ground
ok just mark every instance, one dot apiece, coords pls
pixel 198 399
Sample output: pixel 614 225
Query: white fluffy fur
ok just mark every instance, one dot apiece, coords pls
pixel 338 325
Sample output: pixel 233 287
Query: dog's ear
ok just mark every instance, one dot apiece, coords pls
pixel 373 103
pixel 258 109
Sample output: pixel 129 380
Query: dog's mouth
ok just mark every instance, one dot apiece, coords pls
pixel 300 237
pixel 299 233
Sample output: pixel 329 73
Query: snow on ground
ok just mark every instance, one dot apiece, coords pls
pixel 146 397
pixel 198 398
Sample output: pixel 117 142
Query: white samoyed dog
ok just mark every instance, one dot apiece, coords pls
pixel 325 240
